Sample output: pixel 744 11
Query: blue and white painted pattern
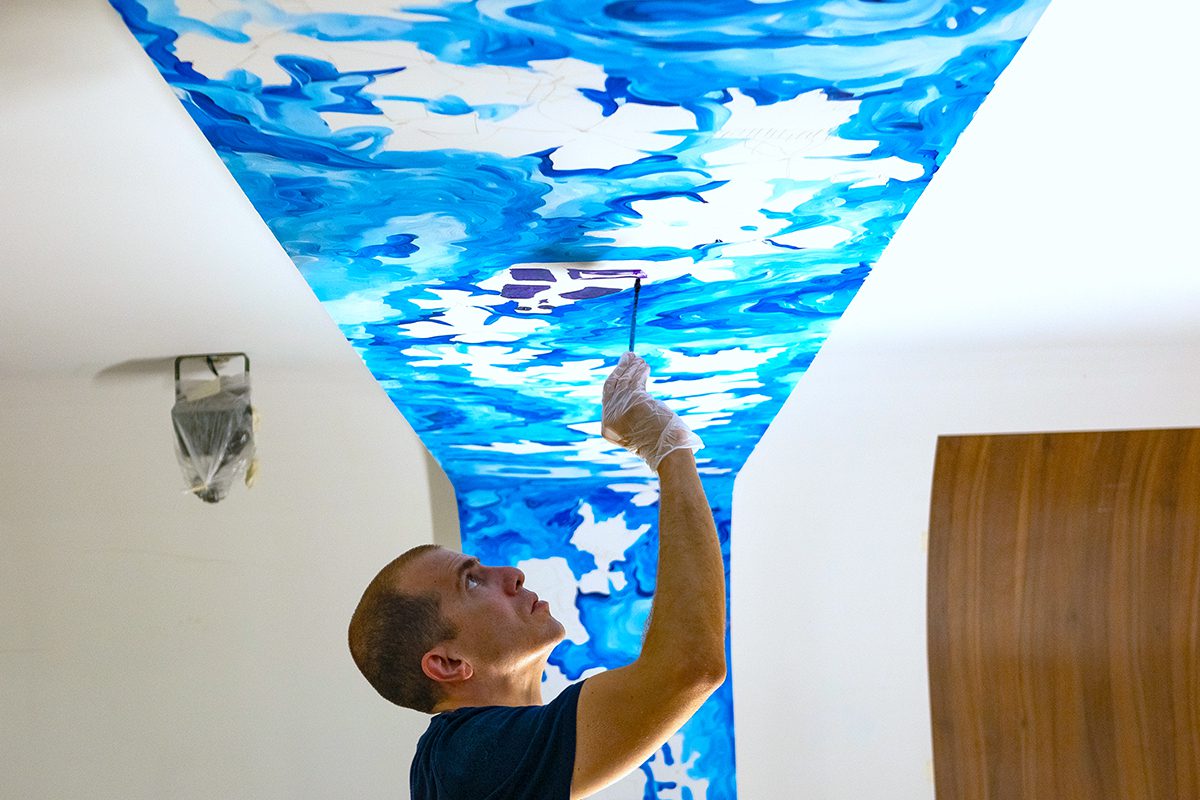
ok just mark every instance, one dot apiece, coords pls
pixel 467 187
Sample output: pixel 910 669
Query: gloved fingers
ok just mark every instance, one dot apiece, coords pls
pixel 638 423
pixel 624 389
pixel 629 374
pixel 630 417
pixel 626 417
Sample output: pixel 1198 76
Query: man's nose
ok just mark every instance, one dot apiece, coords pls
pixel 513 579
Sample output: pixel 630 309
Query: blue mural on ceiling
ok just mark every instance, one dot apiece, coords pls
pixel 469 188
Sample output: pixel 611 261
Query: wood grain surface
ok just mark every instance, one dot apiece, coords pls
pixel 1064 616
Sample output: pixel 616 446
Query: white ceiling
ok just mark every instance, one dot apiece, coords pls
pixel 124 236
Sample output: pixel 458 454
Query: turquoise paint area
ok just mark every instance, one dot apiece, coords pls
pixel 751 159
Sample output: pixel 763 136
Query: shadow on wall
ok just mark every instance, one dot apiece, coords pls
pixel 161 368
pixel 443 506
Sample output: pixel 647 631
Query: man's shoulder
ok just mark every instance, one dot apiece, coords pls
pixel 494 746
pixel 479 720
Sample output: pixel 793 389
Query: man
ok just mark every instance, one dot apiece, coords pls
pixel 441 633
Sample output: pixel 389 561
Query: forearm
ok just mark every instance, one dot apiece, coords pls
pixel 687 619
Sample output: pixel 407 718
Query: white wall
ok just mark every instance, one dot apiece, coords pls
pixel 1047 280
pixel 151 646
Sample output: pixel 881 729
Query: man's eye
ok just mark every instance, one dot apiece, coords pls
pixel 470 580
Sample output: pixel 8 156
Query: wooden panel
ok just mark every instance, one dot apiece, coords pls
pixel 1064 616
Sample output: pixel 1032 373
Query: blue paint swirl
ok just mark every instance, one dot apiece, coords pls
pixel 449 232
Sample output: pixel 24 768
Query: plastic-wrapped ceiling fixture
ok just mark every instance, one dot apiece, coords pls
pixel 214 423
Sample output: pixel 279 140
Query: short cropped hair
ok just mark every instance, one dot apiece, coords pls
pixel 391 631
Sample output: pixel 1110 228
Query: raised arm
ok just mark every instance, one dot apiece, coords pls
pixel 626 714
pixel 687 618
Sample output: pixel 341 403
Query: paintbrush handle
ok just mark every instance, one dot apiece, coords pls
pixel 637 290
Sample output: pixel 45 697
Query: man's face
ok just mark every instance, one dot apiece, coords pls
pixel 501 624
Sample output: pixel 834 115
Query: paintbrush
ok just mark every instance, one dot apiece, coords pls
pixel 637 289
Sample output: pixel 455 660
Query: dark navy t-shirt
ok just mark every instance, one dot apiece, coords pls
pixel 498 752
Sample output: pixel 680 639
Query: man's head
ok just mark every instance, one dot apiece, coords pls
pixel 435 624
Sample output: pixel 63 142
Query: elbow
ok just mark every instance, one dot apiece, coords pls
pixel 717 675
pixel 710 674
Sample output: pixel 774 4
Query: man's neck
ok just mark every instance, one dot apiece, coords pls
pixel 523 689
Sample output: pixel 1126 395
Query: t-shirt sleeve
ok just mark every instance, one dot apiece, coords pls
pixel 506 753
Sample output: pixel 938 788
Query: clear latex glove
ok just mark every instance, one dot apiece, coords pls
pixel 636 421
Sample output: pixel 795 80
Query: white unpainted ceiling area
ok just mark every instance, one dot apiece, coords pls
pixel 152 646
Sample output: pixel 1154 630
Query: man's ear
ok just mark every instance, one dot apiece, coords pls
pixel 440 665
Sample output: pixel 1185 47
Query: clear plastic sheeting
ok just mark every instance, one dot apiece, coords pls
pixel 214 423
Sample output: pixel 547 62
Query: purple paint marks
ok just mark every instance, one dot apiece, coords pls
pixel 518 292
pixel 521 274
pixel 588 292
pixel 595 274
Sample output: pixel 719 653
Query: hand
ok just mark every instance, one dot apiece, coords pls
pixel 636 421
